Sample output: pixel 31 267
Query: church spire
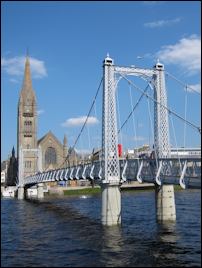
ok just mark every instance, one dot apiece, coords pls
pixel 65 147
pixel 27 84
pixel 13 152
pixel 65 141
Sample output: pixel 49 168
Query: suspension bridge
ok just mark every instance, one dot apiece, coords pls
pixel 109 171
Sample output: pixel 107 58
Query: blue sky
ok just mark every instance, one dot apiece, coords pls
pixel 67 43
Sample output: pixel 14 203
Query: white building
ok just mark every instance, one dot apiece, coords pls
pixel 3 176
pixel 186 152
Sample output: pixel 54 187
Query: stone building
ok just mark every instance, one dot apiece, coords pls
pixel 52 151
pixel 4 169
pixel 36 155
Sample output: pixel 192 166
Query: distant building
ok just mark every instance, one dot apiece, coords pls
pixel 3 177
pixel 72 157
pixel 96 154
pixel 186 152
pixel 145 152
pixel 4 166
pixel 141 152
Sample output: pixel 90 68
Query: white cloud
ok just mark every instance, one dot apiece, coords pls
pixel 15 66
pixel 194 88
pixel 78 121
pixel 13 80
pixel 186 53
pixel 40 112
pixel 161 23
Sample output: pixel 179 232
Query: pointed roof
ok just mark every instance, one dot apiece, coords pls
pixel 13 152
pixel 27 83
pixel 27 90
pixel 65 140
pixel 49 135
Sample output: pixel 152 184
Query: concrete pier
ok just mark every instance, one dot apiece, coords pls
pixel 111 204
pixel 40 193
pixel 20 193
pixel 165 203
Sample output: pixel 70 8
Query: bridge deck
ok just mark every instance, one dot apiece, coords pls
pixel 186 172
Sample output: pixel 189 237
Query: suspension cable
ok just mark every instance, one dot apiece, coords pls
pixel 88 115
pixel 183 84
pixel 119 117
pixel 152 131
pixel 98 144
pixel 134 128
pixel 130 114
pixel 185 116
pixel 174 134
pixel 174 113
pixel 91 107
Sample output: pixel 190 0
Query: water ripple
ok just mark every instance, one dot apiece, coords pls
pixel 66 232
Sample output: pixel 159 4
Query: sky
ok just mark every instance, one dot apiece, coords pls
pixel 67 42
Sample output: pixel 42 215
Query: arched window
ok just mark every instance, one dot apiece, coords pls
pixel 50 156
pixel 28 128
pixel 28 125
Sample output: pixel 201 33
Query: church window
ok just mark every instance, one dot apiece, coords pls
pixel 28 114
pixel 28 128
pixel 50 156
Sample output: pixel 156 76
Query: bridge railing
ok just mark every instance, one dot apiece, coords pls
pixel 186 172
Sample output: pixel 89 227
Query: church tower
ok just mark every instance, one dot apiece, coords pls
pixel 27 127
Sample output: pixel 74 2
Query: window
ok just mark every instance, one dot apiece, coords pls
pixel 28 164
pixel 28 114
pixel 28 128
pixel 50 156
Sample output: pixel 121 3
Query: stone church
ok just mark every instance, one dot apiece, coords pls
pixel 36 155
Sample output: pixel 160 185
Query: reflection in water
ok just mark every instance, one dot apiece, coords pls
pixel 112 238
pixel 112 247
pixel 167 232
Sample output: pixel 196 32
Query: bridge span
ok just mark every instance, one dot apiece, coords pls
pixel 183 172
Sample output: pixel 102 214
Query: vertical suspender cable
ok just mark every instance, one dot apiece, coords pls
pixel 134 128
pixel 173 129
pixel 152 131
pixel 185 116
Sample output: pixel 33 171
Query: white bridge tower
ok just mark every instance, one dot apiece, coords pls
pixel 111 196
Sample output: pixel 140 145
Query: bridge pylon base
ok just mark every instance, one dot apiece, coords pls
pixel 20 193
pixel 111 204
pixel 40 193
pixel 165 203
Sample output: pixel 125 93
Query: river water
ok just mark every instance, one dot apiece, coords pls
pixel 66 232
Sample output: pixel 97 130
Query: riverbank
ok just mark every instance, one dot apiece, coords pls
pixel 85 190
